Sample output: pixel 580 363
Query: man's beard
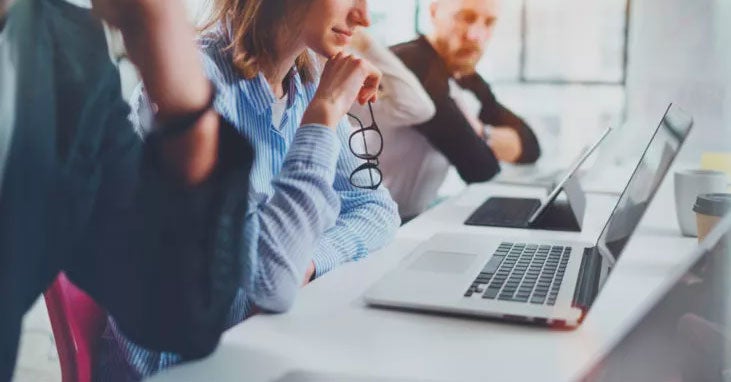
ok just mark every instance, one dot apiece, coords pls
pixel 463 60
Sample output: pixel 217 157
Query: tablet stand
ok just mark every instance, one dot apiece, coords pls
pixel 564 215
pixel 560 215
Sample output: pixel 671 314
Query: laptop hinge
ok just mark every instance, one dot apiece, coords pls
pixel 587 286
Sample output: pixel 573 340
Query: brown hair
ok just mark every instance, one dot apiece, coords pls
pixel 253 26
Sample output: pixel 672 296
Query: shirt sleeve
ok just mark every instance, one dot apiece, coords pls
pixel 284 230
pixel 451 134
pixel 402 101
pixel 495 114
pixel 367 220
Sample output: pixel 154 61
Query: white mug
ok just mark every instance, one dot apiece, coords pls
pixel 688 185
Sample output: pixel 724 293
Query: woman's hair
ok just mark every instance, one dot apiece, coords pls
pixel 254 26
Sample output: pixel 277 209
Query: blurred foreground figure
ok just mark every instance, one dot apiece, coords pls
pixel 151 231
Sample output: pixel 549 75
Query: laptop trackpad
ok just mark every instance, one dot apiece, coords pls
pixel 443 262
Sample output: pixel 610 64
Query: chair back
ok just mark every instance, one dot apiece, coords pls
pixel 77 323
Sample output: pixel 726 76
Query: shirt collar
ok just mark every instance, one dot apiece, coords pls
pixel 257 91
pixel 260 96
pixel 295 86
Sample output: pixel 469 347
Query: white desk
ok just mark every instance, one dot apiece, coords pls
pixel 330 329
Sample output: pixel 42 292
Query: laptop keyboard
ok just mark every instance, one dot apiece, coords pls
pixel 523 273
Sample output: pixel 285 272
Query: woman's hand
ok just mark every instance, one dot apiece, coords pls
pixel 345 79
pixel 309 273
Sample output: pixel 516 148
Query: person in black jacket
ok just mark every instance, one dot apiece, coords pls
pixel 130 223
pixel 471 129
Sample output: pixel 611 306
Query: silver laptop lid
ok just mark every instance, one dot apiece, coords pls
pixel 644 182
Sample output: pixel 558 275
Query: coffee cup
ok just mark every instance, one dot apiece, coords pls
pixel 688 185
pixel 709 209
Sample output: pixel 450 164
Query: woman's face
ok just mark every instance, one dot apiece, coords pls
pixel 328 25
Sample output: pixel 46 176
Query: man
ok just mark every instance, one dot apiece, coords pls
pixel 416 158
pixel 130 224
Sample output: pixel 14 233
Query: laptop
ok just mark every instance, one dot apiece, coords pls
pixel 527 213
pixel 685 332
pixel 538 282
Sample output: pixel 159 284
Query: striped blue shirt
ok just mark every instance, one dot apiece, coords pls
pixel 302 206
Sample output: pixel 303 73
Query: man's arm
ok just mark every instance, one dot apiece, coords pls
pixel 162 246
pixel 164 259
pixel 495 114
pixel 160 42
pixel 449 131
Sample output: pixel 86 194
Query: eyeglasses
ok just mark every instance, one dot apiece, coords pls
pixel 366 143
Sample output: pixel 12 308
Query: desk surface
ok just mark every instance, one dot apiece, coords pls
pixel 330 329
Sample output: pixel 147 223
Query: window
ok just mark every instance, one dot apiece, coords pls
pixel 585 44
pixel 393 21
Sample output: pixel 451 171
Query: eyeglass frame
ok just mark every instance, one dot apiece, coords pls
pixel 372 162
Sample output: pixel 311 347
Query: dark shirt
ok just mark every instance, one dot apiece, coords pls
pixel 84 195
pixel 449 131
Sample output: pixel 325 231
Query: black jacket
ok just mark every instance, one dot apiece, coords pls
pixel 83 194
pixel 449 131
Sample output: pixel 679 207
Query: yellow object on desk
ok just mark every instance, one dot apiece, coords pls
pixel 718 161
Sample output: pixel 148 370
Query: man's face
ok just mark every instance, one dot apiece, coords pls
pixel 462 29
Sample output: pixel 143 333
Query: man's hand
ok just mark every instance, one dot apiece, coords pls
pixel 309 273
pixel 505 143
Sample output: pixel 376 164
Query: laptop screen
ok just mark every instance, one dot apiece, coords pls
pixel 644 182
pixel 686 333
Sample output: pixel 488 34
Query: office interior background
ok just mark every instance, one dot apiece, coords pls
pixel 570 68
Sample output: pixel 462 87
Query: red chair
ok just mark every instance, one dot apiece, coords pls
pixel 78 323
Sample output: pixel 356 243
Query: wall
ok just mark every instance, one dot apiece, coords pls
pixel 675 55
pixel 723 18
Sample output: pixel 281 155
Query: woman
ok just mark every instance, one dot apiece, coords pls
pixel 304 217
